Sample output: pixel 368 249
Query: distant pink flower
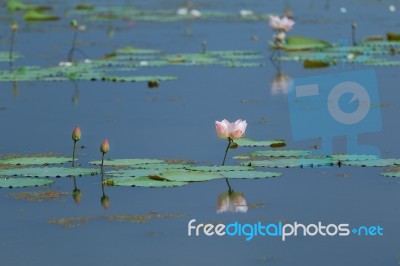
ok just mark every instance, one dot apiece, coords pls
pixel 104 147
pixel 281 24
pixel 235 130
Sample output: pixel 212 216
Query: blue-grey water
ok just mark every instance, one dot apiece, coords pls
pixel 176 121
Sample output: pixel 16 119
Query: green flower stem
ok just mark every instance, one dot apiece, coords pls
pixel 73 154
pixel 223 163
pixel 226 150
pixel 71 51
pixel 102 164
pixel 10 56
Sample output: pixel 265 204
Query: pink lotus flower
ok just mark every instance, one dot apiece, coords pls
pixel 231 202
pixel 281 24
pixel 235 130
pixel 76 134
pixel 104 147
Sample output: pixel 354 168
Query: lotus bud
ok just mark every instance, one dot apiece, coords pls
pixel 76 134
pixel 104 147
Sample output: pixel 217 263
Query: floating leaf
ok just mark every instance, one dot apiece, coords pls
pixel 250 174
pixel 15 182
pixel 246 142
pixel 128 162
pixel 393 37
pixel 219 168
pixel 292 162
pixel 315 64
pixel 144 182
pixel 35 160
pixel 354 157
pixel 281 153
pixel 391 174
pixel 373 163
pixel 296 43
pixel 16 5
pixel 35 15
pixel 48 172
pixel 189 176
pixel 133 172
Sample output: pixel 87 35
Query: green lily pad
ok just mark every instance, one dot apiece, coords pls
pixel 216 168
pixel 133 172
pixel 35 15
pixel 296 43
pixel 35 160
pixel 292 162
pixel 354 157
pixel 391 174
pixel 246 142
pixel 48 172
pixel 16 5
pixel 189 176
pixel 128 162
pixel 281 153
pixel 15 182
pixel 250 174
pixel 143 182
pixel 373 163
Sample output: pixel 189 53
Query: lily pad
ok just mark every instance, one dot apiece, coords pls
pixel 35 15
pixel 281 153
pixel 48 172
pixel 132 173
pixel 15 182
pixel 292 162
pixel 296 43
pixel 250 174
pixel 373 163
pixel 189 176
pixel 391 174
pixel 246 142
pixel 128 162
pixel 35 160
pixel 143 182
pixel 216 168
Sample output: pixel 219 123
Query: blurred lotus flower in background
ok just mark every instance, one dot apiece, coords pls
pixel 281 24
pixel 65 64
pixel 105 146
pixel 195 13
pixel 235 130
pixel 245 13
pixel 76 134
pixel 281 84
pixel 231 202
pixel 182 11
